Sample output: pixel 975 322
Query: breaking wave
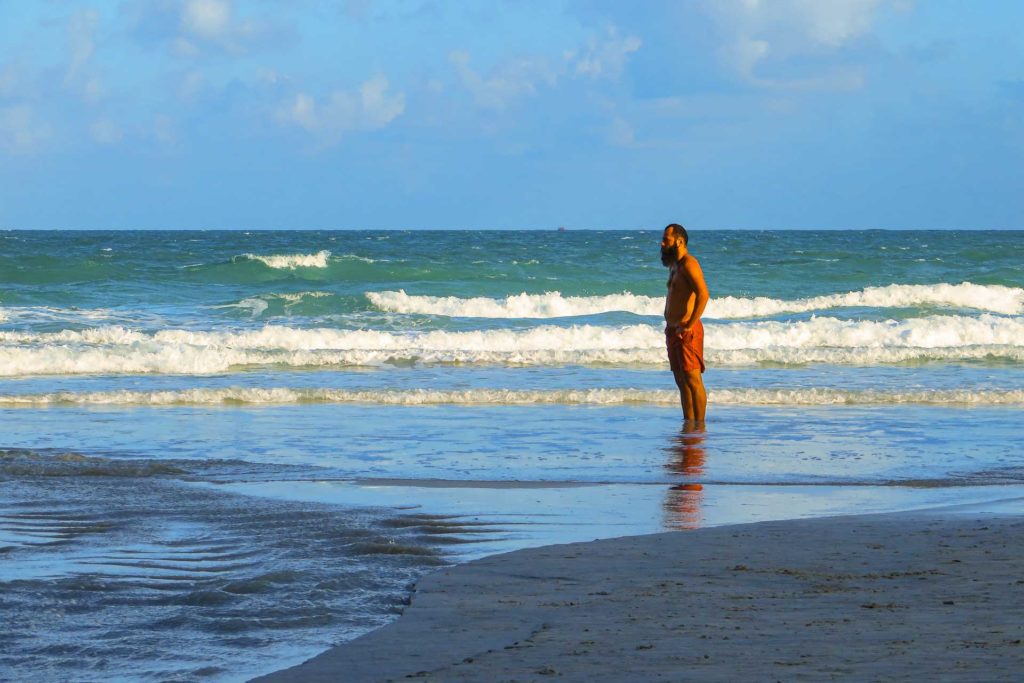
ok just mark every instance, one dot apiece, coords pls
pixel 291 261
pixel 547 305
pixel 114 349
pixel 601 396
pixel 258 305
pixel 991 298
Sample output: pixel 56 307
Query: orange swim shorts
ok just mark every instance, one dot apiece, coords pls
pixel 685 351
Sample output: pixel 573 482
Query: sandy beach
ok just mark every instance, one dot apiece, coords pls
pixel 907 596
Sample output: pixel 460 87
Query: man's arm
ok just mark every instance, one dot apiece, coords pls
pixel 693 273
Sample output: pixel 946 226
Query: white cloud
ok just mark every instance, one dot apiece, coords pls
pixel 757 30
pixel 268 76
pixel 80 74
pixel 81 43
pixel 105 132
pixel 834 23
pixel 370 107
pixel 744 53
pixel 620 133
pixel 301 112
pixel 509 82
pixel 604 59
pixel 378 109
pixel 514 79
pixel 214 24
pixel 21 130
pixel 185 48
pixel 209 19
pixel 830 23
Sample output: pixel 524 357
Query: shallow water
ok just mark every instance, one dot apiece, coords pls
pixel 220 542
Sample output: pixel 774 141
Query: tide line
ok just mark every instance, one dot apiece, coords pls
pixel 241 396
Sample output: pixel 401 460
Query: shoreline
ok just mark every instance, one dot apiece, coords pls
pixel 900 595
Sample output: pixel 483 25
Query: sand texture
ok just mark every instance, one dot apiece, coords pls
pixel 883 597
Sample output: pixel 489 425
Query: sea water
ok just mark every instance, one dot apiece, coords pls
pixel 222 452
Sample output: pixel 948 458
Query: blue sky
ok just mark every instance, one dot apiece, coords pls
pixel 527 114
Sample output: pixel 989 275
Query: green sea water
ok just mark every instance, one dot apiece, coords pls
pixel 146 269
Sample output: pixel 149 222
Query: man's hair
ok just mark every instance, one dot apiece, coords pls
pixel 678 231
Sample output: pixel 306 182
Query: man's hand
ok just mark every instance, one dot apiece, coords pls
pixel 683 329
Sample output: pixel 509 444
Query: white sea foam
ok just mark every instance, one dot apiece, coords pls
pixel 357 257
pixel 120 350
pixel 292 261
pixel 547 305
pixel 296 297
pixel 602 396
pixel 114 349
pixel 992 298
pixel 77 316
pixel 257 305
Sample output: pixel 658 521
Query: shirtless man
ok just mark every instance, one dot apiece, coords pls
pixel 684 333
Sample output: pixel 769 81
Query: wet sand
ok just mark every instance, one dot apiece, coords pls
pixel 908 596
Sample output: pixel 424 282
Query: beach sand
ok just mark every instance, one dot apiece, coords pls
pixel 907 596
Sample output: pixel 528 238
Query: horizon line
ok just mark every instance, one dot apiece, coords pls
pixel 531 229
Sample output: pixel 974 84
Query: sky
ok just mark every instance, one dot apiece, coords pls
pixel 367 114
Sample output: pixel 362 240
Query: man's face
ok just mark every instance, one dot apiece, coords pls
pixel 669 253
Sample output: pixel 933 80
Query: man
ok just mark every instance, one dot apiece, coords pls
pixel 684 333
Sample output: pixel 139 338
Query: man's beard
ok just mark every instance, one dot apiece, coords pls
pixel 668 256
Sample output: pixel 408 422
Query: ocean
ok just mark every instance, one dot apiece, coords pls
pixel 224 451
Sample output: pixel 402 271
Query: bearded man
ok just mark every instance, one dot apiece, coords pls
pixel 684 333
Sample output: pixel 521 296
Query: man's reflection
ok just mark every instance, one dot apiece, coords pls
pixel 686 457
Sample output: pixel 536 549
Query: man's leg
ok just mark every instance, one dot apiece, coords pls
pixel 685 395
pixel 698 397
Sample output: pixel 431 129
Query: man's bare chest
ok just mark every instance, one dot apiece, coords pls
pixel 677 284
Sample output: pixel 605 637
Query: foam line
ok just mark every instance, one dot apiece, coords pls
pixel 114 349
pixel 593 396
pixel 992 298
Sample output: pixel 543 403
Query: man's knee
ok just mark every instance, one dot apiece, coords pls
pixel 693 379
